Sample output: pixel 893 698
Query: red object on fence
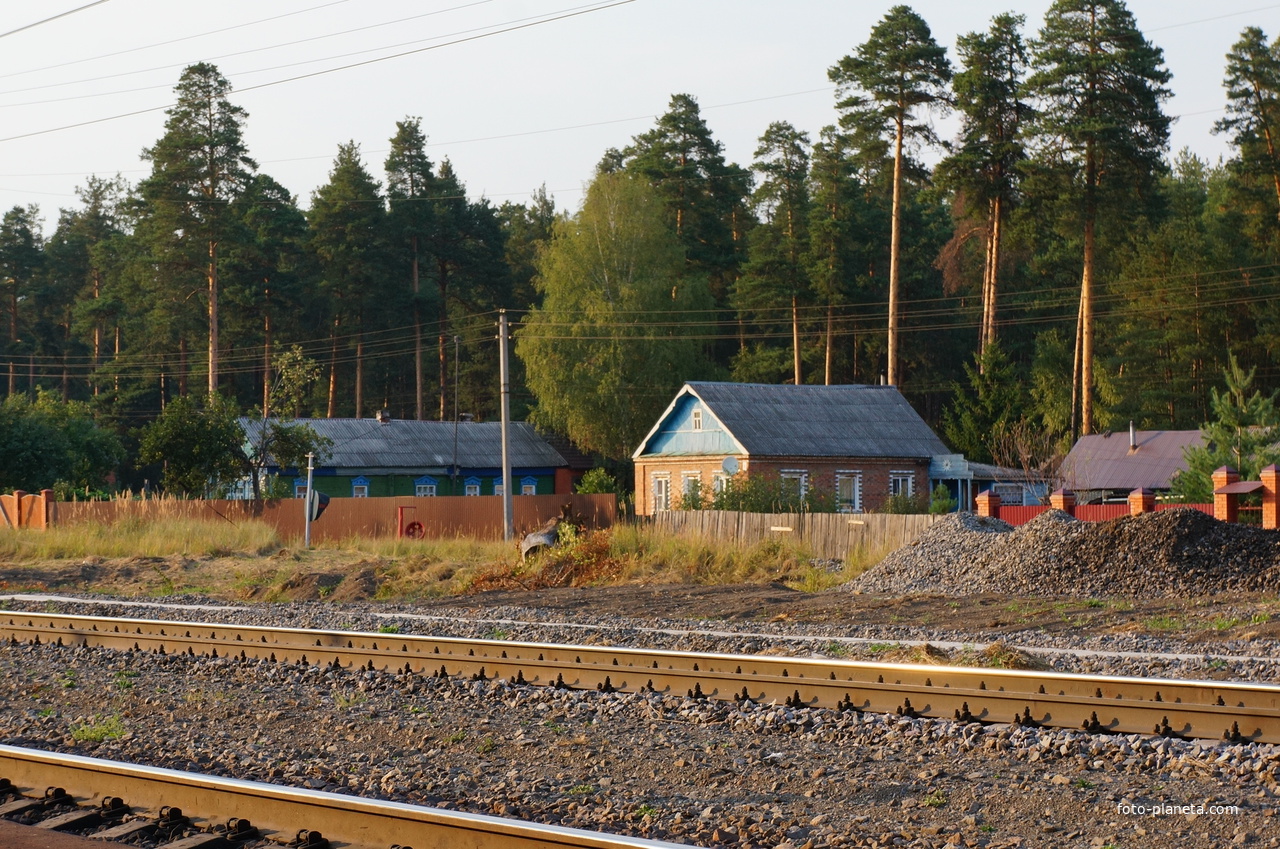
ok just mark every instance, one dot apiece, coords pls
pixel 401 527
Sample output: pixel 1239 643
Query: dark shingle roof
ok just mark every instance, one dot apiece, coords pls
pixel 820 421
pixel 1102 461
pixel 403 444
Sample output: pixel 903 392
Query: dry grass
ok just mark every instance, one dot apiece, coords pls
pixel 136 537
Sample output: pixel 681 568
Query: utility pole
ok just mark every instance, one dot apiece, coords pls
pixel 306 502
pixel 508 506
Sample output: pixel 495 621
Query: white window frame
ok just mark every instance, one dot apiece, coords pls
pixel 498 489
pixel 424 490
pixel 719 480
pixel 853 505
pixel 687 479
pixel 800 476
pixel 472 489
pixel 299 490
pixel 360 490
pixel 696 419
pixel 661 492
pixel 896 476
pixel 528 489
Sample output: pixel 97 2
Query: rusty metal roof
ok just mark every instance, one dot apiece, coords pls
pixel 1105 461
pixel 819 421
pixel 402 445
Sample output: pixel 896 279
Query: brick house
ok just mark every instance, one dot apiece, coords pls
pixel 861 443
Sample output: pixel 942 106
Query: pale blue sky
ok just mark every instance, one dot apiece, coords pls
pixel 514 110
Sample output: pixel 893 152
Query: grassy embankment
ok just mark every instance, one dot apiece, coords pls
pixel 169 555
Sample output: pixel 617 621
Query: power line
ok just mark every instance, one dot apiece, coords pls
pixel 52 18
pixel 148 110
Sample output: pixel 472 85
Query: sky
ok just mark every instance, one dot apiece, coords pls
pixel 518 94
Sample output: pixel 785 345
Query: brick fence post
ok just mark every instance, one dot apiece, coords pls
pixel 19 514
pixel 1225 504
pixel 1064 500
pixel 44 509
pixel 1142 500
pixel 1270 477
pixel 988 504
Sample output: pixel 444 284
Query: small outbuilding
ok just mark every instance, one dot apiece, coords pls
pixel 861 443
pixel 1109 466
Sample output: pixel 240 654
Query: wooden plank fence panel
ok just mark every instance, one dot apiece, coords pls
pixel 832 536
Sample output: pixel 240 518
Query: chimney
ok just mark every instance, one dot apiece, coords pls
pixel 1133 438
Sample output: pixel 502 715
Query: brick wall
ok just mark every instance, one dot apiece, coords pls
pixel 820 472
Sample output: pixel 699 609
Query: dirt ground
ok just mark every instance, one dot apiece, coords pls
pixel 284 577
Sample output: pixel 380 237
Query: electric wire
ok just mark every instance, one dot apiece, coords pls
pixel 26 27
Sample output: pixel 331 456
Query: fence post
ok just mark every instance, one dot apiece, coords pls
pixel 1270 477
pixel 1225 504
pixel 1141 500
pixel 45 509
pixel 988 504
pixel 1064 500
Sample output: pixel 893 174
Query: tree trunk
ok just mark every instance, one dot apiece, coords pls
pixel 419 384
pixel 360 369
pixel 795 334
pixel 331 409
pixel 266 364
pixel 826 378
pixel 895 234
pixel 213 318
pixel 182 367
pixel 442 273
pixel 97 331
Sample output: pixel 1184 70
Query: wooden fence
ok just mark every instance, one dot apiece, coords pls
pixel 443 517
pixel 835 536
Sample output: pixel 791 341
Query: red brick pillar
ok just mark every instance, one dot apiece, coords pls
pixel 988 504
pixel 1064 500
pixel 19 509
pixel 1270 477
pixel 43 517
pixel 1225 507
pixel 1142 501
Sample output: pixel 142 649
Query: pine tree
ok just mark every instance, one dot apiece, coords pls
pixel 1253 105
pixel 199 166
pixel 21 260
pixel 898 73
pixel 410 186
pixel 983 170
pixel 775 277
pixel 1100 86
pixel 348 230
pixel 1243 435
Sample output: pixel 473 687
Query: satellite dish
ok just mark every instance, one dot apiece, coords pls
pixel 730 465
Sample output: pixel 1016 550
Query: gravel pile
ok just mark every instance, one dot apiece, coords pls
pixel 1168 554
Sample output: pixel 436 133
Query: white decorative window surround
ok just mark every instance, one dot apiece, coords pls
pixel 661 492
pixel 849 491
pixel 796 480
pixel 902 482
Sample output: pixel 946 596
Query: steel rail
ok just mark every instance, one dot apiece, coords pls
pixel 1206 709
pixel 279 811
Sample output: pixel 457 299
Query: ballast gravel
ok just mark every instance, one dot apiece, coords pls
pixel 1176 553
pixel 699 772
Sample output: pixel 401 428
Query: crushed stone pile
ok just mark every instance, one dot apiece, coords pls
pixel 1169 553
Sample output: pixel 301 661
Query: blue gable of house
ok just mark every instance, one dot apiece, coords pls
pixel 676 436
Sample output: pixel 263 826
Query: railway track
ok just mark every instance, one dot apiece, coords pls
pixel 179 810
pixel 1238 711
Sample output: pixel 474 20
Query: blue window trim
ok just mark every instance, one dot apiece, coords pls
pixel 425 479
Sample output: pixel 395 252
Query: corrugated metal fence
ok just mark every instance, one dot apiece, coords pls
pixel 830 535
pixel 1019 515
pixel 473 517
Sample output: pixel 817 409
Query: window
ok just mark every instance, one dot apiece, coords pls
pixel 902 483
pixel 795 482
pixel 425 487
pixel 360 487
pixel 718 481
pixel 661 493
pixel 471 486
pixel 300 488
pixel 497 489
pixel 529 485
pixel 849 491
pixel 697 420
pixel 690 482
